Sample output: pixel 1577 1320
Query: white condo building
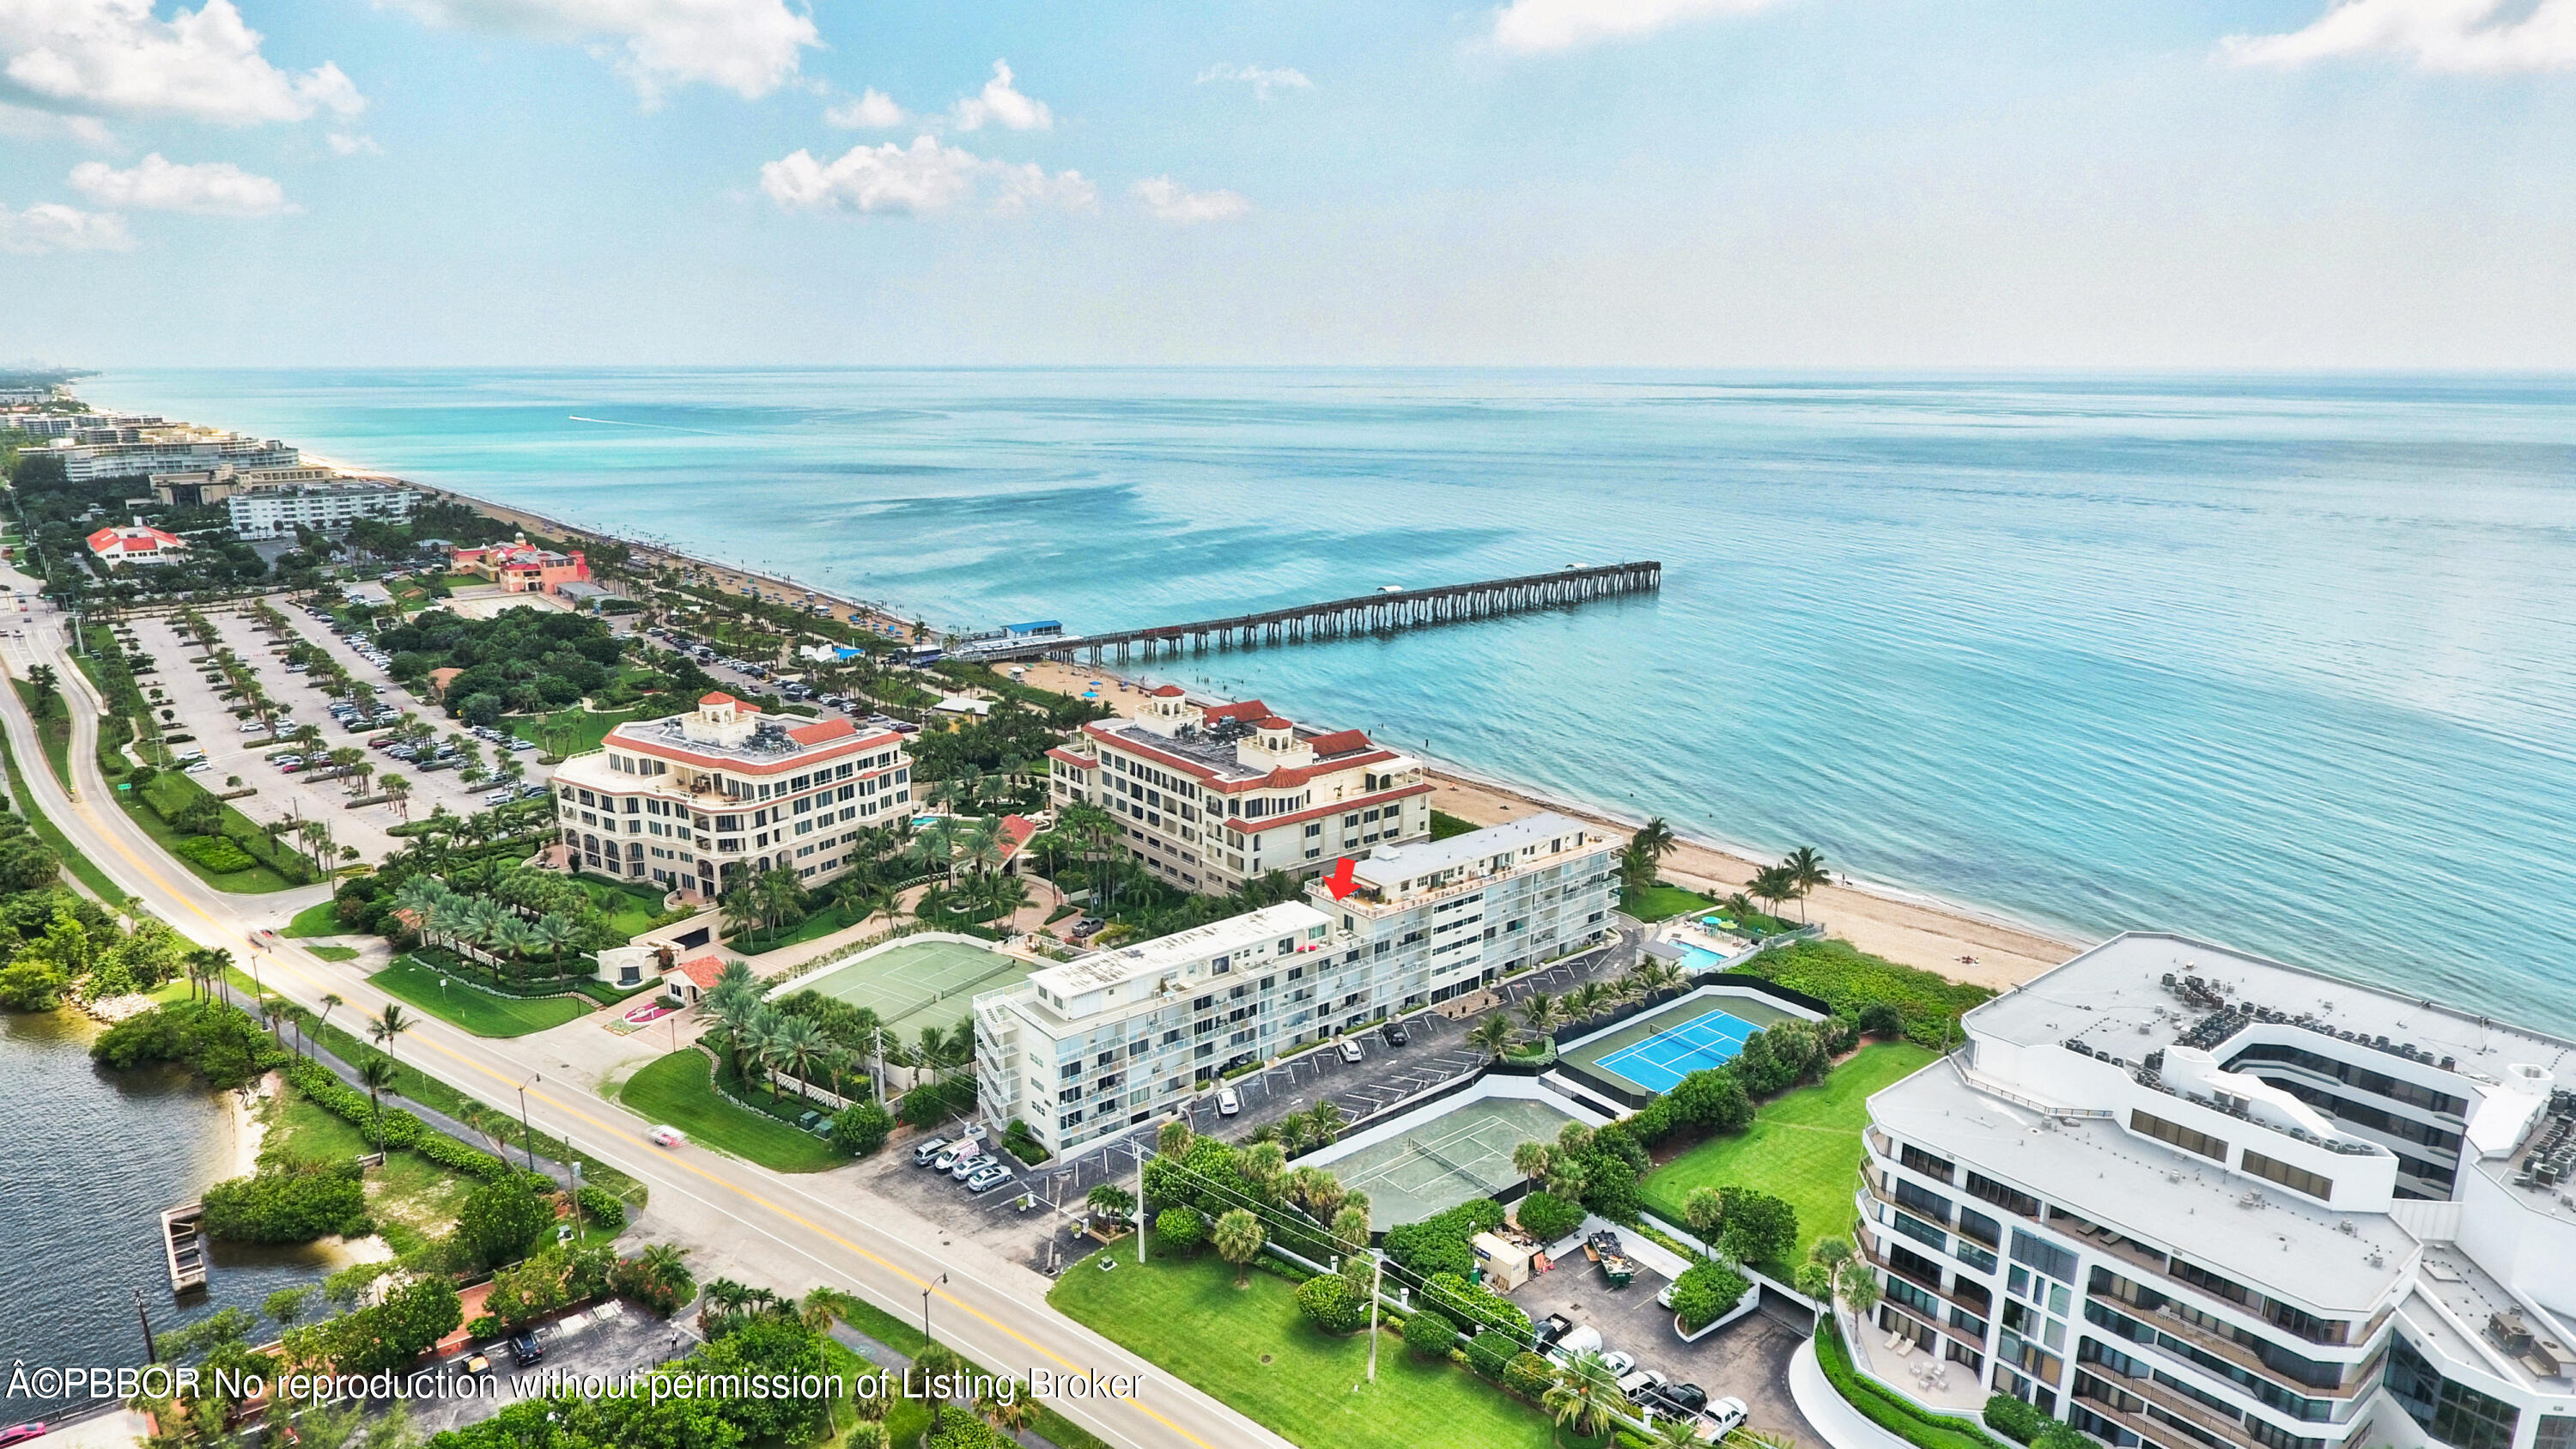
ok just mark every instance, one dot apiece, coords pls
pixel 1092 1047
pixel 2180 1196
pixel 325 507
pixel 150 450
pixel 1211 795
pixel 698 801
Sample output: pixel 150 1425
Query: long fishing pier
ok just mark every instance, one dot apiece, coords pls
pixel 1387 612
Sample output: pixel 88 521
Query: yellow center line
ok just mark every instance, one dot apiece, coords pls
pixel 86 811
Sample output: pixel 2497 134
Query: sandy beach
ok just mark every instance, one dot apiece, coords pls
pixel 1956 942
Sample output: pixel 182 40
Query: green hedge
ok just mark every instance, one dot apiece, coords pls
pixel 168 792
pixel 1850 980
pixel 398 1128
pixel 1915 1426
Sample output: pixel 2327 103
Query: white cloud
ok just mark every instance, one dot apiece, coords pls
pixel 749 47
pixel 53 227
pixel 210 188
pixel 30 123
pixel 1002 105
pixel 1168 200
pixel 1263 81
pixel 351 143
pixel 2449 35
pixel 1538 25
pixel 114 55
pixel 874 111
pixel 924 179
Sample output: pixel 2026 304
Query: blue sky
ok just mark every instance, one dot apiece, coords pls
pixel 1763 183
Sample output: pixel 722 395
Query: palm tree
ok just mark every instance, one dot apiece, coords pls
pixel 939 846
pixel 388 1024
pixel 1004 897
pixel 769 1043
pixel 552 933
pixel 1541 1014
pixel 1530 1160
pixel 983 844
pixel 45 682
pixel 1009 1411
pixel 1323 1122
pixel 1773 884
pixel 377 1073
pixel 330 1001
pixel 1493 1034
pixel 399 788
pixel 1805 870
pixel 1238 1237
pixel 660 1266
pixel 741 910
pixel 1586 1396
pixel 800 1043
pixel 1655 840
pixel 937 1360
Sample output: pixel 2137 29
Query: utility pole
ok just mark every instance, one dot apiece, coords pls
pixel 529 1141
pixel 1140 1205
pixel 1377 1272
pixel 151 1351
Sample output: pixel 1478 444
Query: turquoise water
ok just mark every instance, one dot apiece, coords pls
pixel 2282 662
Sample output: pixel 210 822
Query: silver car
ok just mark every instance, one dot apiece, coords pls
pixel 985 1179
pixel 968 1167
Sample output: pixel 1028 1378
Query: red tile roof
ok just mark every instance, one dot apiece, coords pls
pixel 1169 691
pixel 1339 742
pixel 133 540
pixel 1016 831
pixel 1247 709
pixel 1273 722
pixel 1079 762
pixel 831 728
pixel 703 971
pixel 717 696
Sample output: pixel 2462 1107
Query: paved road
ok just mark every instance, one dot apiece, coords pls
pixel 741 1220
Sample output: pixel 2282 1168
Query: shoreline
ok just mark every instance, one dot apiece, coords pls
pixel 1911 927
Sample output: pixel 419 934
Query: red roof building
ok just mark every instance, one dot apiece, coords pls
pixel 1208 796
pixel 117 547
pixel 521 567
pixel 690 981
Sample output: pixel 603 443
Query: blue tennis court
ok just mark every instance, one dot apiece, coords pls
pixel 1662 1060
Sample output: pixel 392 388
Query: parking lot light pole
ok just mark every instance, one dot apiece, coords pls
pixel 925 1302
pixel 1377 1274
pixel 528 1142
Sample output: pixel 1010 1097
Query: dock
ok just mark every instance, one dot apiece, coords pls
pixel 1388 611
pixel 183 1238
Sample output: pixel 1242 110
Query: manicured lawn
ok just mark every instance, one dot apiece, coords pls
pixel 813 928
pixel 630 912
pixel 676 1091
pixel 1444 825
pixel 317 919
pixel 1803 1146
pixel 1251 1348
pixel 257 880
pixel 577 729
pixel 1658 902
pixel 471 1007
pixel 53 728
pixel 334 953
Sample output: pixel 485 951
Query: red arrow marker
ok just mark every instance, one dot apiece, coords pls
pixel 1340 882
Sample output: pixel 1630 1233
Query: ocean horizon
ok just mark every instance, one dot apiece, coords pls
pixel 2283 662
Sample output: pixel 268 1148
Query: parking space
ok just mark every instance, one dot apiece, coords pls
pixel 609 1340
pixel 236 758
pixel 1747 1359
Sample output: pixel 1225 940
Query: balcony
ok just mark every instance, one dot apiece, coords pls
pixel 2166 1320
pixel 1955 1335
pixel 2152 1430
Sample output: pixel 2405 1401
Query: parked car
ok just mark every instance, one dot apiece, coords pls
pixel 968 1167
pixel 1395 1033
pixel 21 1433
pixel 524 1348
pixel 1686 1398
pixel 1721 1417
pixel 948 1155
pixel 1350 1050
pixel 1619 1363
pixel 1639 1383
pixel 1227 1103
pixel 986 1179
pixel 922 1154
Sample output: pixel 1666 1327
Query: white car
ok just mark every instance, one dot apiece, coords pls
pixel 1227 1103
pixel 667 1136
pixel 1350 1050
pixel 1620 1364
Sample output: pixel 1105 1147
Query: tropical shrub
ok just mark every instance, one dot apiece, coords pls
pixel 2013 1418
pixel 1331 1303
pixel 1548 1218
pixel 1529 1376
pixel 1439 1244
pixel 1468 1301
pixel 603 1207
pixel 1428 1334
pixel 1849 980
pixel 1704 1292
pixel 1179 1229
pixel 1489 1353
pixel 292 1201
pixel 503 1220
pixel 861 1128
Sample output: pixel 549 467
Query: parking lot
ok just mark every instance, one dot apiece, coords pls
pixel 233 755
pixel 1747 1359
pixel 608 1340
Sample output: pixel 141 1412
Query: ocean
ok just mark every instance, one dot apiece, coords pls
pixel 2288 663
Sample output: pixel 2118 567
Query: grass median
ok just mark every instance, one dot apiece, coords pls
pixel 80 866
pixel 678 1090
pixel 461 1003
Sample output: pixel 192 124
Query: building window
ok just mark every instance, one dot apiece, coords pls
pixel 2451 1412
pixel 2010 1199
pixel 2146 1125
pixel 2297 1179
pixel 2043 1256
pixel 1939 1168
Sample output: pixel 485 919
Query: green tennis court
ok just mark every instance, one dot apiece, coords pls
pixel 910 977
pixel 1461 1154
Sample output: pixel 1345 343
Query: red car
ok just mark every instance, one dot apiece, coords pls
pixel 21 1433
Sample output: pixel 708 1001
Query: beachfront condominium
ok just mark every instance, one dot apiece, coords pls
pixel 2181 1196
pixel 276 509
pixel 1208 796
pixel 1097 1045
pixel 700 802
pixel 140 451
pixel 1438 919
pixel 1092 1047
